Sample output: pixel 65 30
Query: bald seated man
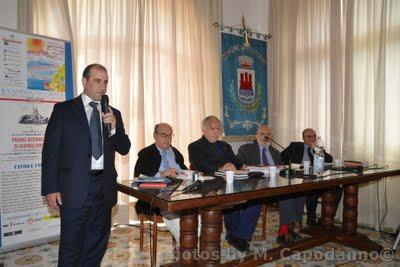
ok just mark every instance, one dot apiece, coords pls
pixel 298 152
pixel 208 155
pixel 160 159
pixel 260 153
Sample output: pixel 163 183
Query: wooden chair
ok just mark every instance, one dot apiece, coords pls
pixel 263 215
pixel 154 219
pixel 263 221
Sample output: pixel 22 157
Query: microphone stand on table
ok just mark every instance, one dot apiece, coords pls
pixel 289 170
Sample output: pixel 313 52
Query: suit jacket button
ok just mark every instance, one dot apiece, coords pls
pixel 89 155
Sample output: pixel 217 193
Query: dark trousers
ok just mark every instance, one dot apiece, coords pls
pixel 241 221
pixel 291 210
pixel 85 231
pixel 312 201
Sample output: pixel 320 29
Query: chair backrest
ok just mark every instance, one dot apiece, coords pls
pixel 191 167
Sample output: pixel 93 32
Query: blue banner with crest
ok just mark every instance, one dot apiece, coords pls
pixel 244 84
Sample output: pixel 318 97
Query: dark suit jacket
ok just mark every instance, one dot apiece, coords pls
pixel 249 154
pixel 296 152
pixel 66 155
pixel 149 160
pixel 148 163
pixel 208 157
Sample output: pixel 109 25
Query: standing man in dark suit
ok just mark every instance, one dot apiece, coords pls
pixel 298 152
pixel 78 172
pixel 260 152
pixel 209 155
pixel 160 159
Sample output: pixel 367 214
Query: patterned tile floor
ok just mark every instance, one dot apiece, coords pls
pixel 123 250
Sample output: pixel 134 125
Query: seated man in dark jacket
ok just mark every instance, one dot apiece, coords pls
pixel 160 159
pixel 209 155
pixel 260 152
pixel 298 152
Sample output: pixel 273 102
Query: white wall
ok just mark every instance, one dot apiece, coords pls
pixel 255 13
pixel 8 14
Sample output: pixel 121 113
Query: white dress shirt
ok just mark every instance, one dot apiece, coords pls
pixel 99 163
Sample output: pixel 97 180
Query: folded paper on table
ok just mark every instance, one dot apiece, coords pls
pixel 185 175
pixel 237 175
pixel 150 179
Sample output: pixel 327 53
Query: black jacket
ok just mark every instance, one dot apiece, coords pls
pixel 148 163
pixel 149 160
pixel 296 151
pixel 208 157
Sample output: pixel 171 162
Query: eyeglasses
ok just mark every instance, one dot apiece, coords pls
pixel 309 136
pixel 163 135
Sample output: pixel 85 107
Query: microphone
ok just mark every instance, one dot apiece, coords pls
pixel 192 187
pixel 104 109
pixel 273 141
pixel 287 171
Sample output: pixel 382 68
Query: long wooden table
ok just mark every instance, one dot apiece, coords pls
pixel 215 196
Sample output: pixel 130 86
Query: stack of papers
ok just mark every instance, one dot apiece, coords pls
pixel 237 175
pixel 150 179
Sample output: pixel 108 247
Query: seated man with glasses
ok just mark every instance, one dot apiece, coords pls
pixel 160 159
pixel 298 152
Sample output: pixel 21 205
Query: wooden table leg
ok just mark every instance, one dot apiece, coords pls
pixel 346 235
pixel 210 239
pixel 349 236
pixel 188 239
pixel 328 209
pixel 350 209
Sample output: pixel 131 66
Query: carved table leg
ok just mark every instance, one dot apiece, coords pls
pixel 350 209
pixel 328 209
pixel 349 236
pixel 210 247
pixel 188 239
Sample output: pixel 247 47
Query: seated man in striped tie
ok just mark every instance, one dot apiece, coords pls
pixel 261 153
pixel 160 159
